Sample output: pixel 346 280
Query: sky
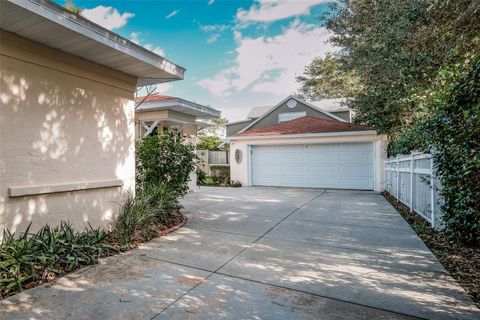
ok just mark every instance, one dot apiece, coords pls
pixel 237 54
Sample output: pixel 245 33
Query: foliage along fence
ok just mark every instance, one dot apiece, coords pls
pixel 411 180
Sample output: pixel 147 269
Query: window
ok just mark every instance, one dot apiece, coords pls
pixel 287 116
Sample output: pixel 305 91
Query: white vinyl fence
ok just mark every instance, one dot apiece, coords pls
pixel 410 179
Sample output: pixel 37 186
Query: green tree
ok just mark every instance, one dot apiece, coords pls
pixel 452 132
pixel 217 128
pixel 396 49
pixel 209 143
pixel 325 78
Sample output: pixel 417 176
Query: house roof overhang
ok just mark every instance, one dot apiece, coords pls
pixel 51 24
pixel 308 135
pixel 179 105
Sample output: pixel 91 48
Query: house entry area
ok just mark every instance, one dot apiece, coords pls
pixel 336 165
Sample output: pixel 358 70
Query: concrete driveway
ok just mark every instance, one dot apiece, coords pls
pixel 263 253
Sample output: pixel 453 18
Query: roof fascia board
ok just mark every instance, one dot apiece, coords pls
pixel 76 23
pixel 306 135
pixel 172 103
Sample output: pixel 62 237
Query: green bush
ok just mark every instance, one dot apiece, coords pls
pixel 134 220
pixel 220 174
pixel 452 130
pixel 165 158
pixel 201 177
pixel 50 252
pixel 210 143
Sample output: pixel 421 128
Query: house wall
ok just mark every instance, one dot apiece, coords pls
pixel 272 118
pixel 345 115
pixel 65 124
pixel 241 171
pixel 236 127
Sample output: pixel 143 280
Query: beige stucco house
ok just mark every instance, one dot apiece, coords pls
pixel 299 144
pixel 67 128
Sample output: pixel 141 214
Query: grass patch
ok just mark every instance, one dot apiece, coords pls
pixel 461 261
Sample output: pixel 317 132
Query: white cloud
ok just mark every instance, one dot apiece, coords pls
pixel 154 49
pixel 135 38
pixel 107 17
pixel 270 64
pixel 272 10
pixel 214 27
pixel 172 14
pixel 213 38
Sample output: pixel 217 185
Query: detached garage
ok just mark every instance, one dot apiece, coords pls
pixel 310 152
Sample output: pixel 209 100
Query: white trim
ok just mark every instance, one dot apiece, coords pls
pixel 239 121
pixel 22 191
pixel 306 135
pixel 285 100
pixel 78 24
pixel 176 102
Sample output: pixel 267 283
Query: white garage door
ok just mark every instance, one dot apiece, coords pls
pixel 340 165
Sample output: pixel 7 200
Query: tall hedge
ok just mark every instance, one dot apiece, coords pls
pixel 452 131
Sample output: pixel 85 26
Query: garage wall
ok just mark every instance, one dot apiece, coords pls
pixel 64 122
pixel 241 171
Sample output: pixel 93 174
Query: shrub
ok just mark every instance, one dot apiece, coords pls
pixel 201 177
pixel 133 221
pixel 220 174
pixel 453 132
pixel 48 253
pixel 164 158
pixel 209 143
pixel 140 217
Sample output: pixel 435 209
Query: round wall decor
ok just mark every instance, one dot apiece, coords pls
pixel 238 156
pixel 291 103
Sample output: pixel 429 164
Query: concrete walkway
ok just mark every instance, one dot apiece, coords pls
pixel 263 253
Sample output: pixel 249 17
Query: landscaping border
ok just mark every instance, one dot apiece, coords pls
pixel 172 229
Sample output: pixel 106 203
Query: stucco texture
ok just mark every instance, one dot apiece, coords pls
pixel 63 120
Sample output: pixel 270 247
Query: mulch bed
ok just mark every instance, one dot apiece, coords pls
pixel 461 261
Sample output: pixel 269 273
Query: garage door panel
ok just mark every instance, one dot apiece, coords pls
pixel 321 171
pixel 348 166
pixel 292 182
pixel 288 158
pixel 355 171
pixel 355 184
pixel 320 157
pixel 355 147
pixel 324 182
pixel 354 157
pixel 322 148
